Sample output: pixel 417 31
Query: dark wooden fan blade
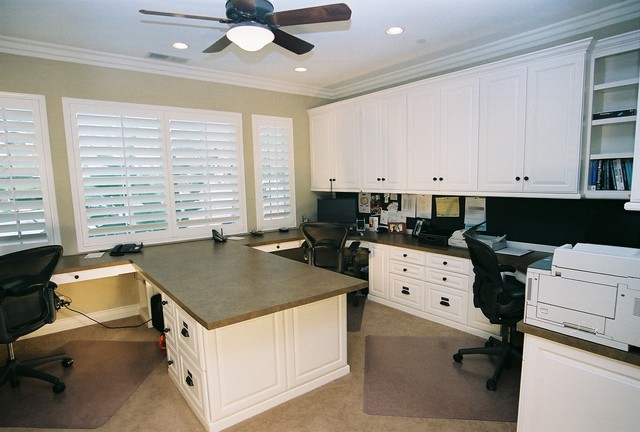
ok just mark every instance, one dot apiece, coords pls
pixel 311 15
pixel 179 15
pixel 290 42
pixel 219 45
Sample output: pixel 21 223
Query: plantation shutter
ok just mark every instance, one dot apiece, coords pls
pixel 122 168
pixel 26 188
pixel 153 174
pixel 274 167
pixel 206 168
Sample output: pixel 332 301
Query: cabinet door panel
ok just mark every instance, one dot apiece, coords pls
pixel 372 130
pixel 459 135
pixel 501 135
pixel 394 159
pixel 320 126
pixel 346 144
pixel 554 122
pixel 423 133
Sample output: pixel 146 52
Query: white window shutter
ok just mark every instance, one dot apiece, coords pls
pixel 27 203
pixel 274 171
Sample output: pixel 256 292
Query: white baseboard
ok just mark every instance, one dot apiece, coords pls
pixel 78 321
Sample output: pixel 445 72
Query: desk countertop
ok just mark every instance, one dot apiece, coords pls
pixel 219 284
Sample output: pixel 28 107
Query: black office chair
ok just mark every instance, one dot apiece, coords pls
pixel 28 302
pixel 325 244
pixel 501 299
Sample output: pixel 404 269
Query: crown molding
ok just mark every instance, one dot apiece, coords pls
pixel 530 40
pixel 526 41
pixel 48 51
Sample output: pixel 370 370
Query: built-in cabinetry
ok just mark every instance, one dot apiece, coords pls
pixel 234 372
pixel 612 126
pixel 531 118
pixel 335 141
pixel 512 127
pixel 384 146
pixel 568 389
pixel 433 286
pixel 442 141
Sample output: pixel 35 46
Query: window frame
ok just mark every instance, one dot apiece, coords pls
pixel 166 115
pixel 286 123
pixel 37 103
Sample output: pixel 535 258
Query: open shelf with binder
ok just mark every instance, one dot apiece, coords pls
pixel 611 134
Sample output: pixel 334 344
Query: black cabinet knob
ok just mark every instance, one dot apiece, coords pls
pixel 167 330
pixel 185 332
pixel 526 178
pixel 517 178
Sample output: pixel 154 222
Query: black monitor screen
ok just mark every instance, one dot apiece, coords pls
pixel 338 210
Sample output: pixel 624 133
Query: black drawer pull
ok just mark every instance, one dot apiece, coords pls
pixel 189 379
pixel 444 278
pixel 169 362
pixel 185 332
pixel 444 303
pixel 167 329
pixel 404 255
pixel 405 290
pixel 164 302
pixel 444 263
pixel 404 269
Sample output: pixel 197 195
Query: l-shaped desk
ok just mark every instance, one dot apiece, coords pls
pixel 248 330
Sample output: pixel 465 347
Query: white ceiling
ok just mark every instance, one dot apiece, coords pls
pixel 349 57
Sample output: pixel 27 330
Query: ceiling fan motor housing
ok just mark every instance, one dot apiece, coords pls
pixel 248 10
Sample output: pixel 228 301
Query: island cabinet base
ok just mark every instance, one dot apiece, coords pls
pixel 232 373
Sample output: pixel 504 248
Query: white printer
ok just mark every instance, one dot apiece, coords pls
pixel 588 291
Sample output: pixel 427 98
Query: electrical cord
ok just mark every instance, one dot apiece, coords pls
pixel 65 301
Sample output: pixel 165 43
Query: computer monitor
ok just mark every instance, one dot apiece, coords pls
pixel 338 210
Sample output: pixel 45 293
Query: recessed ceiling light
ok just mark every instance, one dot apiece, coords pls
pixel 394 30
pixel 300 69
pixel 180 45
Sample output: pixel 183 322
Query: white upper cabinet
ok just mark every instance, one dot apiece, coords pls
pixel 442 140
pixel 530 126
pixel 555 90
pixel 501 135
pixel 335 142
pixel 384 143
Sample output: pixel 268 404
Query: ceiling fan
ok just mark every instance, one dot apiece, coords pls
pixel 255 24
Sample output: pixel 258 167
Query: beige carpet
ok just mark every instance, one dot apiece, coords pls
pixel 104 375
pixel 417 377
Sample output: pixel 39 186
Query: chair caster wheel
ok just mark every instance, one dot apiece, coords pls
pixel 67 362
pixel 491 384
pixel 58 387
pixel 457 357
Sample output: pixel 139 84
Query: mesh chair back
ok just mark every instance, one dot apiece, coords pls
pixel 325 244
pixel 26 292
pixel 489 290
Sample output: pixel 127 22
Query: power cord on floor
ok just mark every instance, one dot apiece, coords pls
pixel 65 301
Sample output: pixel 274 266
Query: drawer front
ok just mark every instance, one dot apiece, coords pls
pixel 407 255
pixel 173 365
pixel 273 247
pixel 170 331
pixel 408 270
pixel 447 303
pixel 448 279
pixel 449 263
pixel 192 382
pixel 408 292
pixel 98 273
pixel 189 335
pixel 168 306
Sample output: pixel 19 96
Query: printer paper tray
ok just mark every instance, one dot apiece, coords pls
pixel 571 319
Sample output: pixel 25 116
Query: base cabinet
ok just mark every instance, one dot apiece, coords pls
pixel 231 373
pixel 433 286
pixel 565 389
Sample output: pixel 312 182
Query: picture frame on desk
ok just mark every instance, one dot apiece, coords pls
pixel 397 227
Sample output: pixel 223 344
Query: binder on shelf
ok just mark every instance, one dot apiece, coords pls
pixel 614 114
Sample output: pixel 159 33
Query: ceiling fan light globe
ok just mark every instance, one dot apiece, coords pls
pixel 250 36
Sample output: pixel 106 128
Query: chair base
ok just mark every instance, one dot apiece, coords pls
pixel 13 369
pixel 493 346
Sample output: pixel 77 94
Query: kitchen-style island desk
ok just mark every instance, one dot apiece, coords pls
pixel 245 330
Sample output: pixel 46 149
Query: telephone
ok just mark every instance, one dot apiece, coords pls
pixel 218 237
pixel 121 249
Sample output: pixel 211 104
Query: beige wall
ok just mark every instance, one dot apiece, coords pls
pixel 55 80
